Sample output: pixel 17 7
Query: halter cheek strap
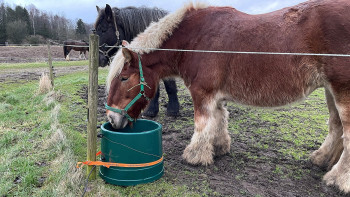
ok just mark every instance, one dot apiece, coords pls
pixel 116 27
pixel 142 84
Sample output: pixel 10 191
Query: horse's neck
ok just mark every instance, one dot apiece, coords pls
pixel 164 64
pixel 144 20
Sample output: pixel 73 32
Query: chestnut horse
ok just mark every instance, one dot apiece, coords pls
pixel 316 26
pixel 81 46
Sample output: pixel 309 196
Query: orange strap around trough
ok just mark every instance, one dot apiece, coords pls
pixel 125 165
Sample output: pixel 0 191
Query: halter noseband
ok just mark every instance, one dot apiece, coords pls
pixel 124 112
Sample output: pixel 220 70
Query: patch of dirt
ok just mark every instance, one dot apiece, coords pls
pixel 102 99
pixel 10 54
pixel 267 173
pixel 15 54
pixel 16 75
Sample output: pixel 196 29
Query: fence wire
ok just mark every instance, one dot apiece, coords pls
pixel 238 52
pixel 173 50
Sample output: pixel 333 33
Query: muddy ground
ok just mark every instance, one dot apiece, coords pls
pixel 267 173
pixel 237 173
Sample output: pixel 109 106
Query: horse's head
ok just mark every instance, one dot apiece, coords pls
pixel 107 29
pixel 130 91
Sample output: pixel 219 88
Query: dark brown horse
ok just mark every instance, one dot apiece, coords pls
pixel 317 26
pixel 81 46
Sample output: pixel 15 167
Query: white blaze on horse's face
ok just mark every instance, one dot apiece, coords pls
pixel 123 90
pixel 117 121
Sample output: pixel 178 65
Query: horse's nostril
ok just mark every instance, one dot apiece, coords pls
pixel 111 120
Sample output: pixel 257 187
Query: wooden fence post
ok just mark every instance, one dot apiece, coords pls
pixel 50 62
pixel 92 103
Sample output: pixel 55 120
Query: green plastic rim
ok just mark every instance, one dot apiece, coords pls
pixel 137 130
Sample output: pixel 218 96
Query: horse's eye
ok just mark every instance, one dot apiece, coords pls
pixel 124 78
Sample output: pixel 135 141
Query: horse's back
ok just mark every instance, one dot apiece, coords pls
pixel 267 80
pixel 335 25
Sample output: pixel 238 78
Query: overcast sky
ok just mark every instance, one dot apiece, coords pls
pixel 86 9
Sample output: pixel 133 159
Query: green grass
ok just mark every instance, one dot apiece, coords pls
pixel 43 136
pixel 288 133
pixel 6 66
pixel 22 124
pixel 300 124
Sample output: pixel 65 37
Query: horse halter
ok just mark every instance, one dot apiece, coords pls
pixel 124 112
pixel 106 53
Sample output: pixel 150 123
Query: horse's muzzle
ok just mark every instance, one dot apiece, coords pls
pixel 103 61
pixel 117 121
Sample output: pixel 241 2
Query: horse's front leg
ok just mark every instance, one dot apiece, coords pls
pixel 201 149
pixel 67 57
pixel 210 133
pixel 153 107
pixel 173 104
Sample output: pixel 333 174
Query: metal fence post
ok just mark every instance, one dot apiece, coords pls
pixel 92 103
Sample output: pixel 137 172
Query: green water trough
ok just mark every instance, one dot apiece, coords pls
pixel 137 149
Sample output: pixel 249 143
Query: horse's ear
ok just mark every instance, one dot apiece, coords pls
pixel 98 9
pixel 127 54
pixel 108 12
pixel 125 43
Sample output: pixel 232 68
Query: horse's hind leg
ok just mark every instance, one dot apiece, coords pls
pixel 329 152
pixel 339 175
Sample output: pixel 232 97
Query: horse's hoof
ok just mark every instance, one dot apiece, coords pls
pixel 339 179
pixel 222 149
pixel 319 158
pixel 173 113
pixel 150 114
pixel 198 156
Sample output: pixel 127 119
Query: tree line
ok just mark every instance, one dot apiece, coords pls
pixel 29 25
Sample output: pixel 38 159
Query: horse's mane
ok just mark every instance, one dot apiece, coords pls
pixel 152 37
pixel 135 20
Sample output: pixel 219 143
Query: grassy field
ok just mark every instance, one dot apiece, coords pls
pixel 42 138
pixel 5 66
pixel 41 143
